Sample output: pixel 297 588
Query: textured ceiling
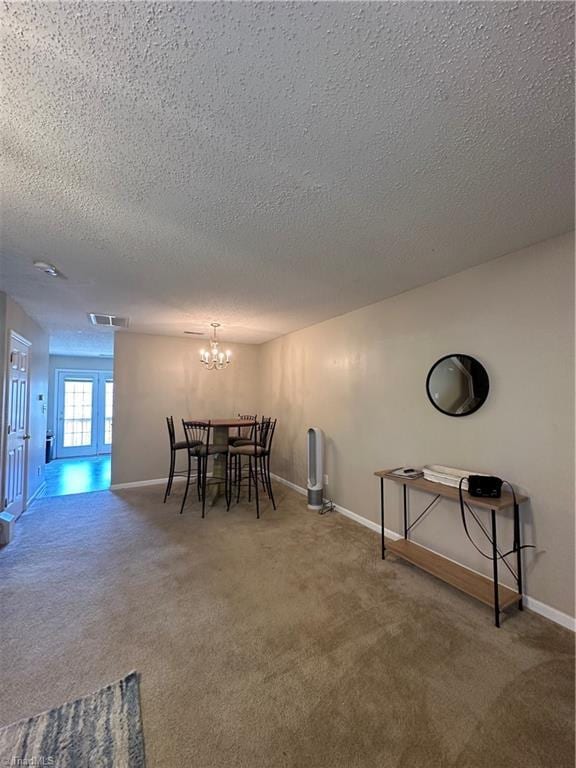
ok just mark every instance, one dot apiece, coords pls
pixel 270 165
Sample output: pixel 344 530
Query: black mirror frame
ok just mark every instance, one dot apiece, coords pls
pixel 480 404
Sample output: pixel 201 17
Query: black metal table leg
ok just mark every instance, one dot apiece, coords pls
pixel 382 517
pixel 495 567
pixel 405 512
pixel 518 548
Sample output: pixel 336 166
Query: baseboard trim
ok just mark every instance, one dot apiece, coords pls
pixel 553 614
pixel 157 481
pixel 297 488
pixel 141 483
pixel 558 617
pixel 38 492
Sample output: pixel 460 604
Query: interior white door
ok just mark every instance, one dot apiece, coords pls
pixel 17 437
pixel 84 409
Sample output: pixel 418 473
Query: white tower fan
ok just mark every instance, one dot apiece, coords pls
pixel 315 445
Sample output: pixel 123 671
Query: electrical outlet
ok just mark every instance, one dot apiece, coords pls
pixel 325 479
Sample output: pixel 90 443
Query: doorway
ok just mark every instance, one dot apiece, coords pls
pixel 84 401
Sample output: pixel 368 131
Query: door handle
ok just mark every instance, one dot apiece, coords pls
pixel 26 437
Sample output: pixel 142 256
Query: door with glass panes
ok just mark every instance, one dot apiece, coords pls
pixel 84 413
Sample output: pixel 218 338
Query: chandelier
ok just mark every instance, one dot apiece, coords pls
pixel 214 359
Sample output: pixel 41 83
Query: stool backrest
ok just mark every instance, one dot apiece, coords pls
pixel 270 433
pixel 266 422
pixel 171 431
pixel 264 431
pixel 197 432
pixel 246 432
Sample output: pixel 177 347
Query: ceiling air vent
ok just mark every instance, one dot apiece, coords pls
pixel 110 321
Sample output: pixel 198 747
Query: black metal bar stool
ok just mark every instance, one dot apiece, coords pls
pixel 175 446
pixel 258 454
pixel 199 445
pixel 247 438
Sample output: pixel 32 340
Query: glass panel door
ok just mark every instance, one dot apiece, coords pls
pixel 84 409
pixel 76 406
pixel 78 397
pixel 106 404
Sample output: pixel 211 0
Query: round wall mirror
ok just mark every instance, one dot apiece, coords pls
pixel 457 385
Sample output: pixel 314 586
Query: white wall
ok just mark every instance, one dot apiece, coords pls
pixel 361 377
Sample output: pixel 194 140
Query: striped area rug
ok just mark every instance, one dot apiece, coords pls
pixel 103 729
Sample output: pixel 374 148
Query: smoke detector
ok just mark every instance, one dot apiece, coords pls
pixel 109 321
pixel 49 269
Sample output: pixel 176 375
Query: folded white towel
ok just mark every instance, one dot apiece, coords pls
pixel 437 473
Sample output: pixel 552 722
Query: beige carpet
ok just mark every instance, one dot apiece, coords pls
pixel 271 643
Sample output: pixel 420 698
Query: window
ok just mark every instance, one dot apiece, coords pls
pixel 77 413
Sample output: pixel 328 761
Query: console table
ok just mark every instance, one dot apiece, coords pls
pixel 488 591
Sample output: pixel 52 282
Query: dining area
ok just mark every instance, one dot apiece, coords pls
pixel 225 459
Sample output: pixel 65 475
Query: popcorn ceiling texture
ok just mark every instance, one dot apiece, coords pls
pixel 271 165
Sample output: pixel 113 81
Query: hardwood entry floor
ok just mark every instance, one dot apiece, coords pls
pixel 80 475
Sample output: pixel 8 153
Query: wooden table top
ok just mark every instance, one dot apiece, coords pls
pixel 449 492
pixel 231 422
